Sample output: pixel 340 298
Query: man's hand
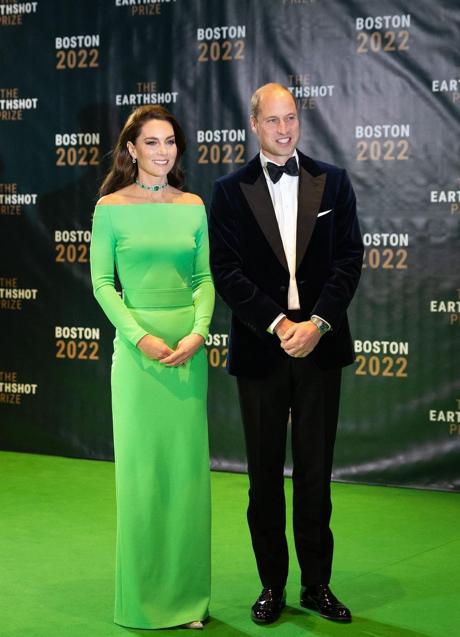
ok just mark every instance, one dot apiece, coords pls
pixel 153 347
pixel 281 327
pixel 185 349
pixel 300 339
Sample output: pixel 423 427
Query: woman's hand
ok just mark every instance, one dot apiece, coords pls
pixel 154 347
pixel 185 349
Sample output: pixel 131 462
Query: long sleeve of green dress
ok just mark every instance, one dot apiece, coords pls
pixel 202 284
pixel 102 259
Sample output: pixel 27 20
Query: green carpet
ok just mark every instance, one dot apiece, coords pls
pixel 397 557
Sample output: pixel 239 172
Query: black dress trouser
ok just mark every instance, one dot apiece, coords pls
pixel 312 395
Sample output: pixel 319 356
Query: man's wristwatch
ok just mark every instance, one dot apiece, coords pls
pixel 320 324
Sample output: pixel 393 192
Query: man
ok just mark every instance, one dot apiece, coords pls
pixel 286 253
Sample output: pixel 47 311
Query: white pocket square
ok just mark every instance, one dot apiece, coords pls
pixel 324 212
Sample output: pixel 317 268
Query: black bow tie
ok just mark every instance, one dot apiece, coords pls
pixel 290 168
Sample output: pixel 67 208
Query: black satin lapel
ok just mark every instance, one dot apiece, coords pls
pixel 310 194
pixel 259 199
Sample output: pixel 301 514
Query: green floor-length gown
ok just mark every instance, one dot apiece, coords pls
pixel 159 413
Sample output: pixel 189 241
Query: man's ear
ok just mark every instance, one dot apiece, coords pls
pixel 253 123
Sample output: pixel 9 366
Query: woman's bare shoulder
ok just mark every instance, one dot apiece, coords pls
pixel 187 198
pixel 117 198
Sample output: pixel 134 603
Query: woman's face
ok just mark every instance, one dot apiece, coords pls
pixel 155 149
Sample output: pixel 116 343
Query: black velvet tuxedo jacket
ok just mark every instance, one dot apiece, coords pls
pixel 250 268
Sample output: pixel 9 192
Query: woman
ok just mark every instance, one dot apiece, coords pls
pixel 156 234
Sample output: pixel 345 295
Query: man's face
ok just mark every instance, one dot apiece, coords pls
pixel 277 125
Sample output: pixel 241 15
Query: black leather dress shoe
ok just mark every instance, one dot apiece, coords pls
pixel 321 599
pixel 269 605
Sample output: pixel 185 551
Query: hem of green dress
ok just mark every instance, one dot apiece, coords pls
pixel 176 624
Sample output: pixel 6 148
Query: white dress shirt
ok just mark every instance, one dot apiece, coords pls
pixel 284 196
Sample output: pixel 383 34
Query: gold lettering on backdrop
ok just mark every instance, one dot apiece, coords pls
pixel 454 427
pixel 8 189
pixel 77 149
pixel 219 147
pixel 8 282
pixel 382 34
pixel 222 43
pixel 77 350
pixel 305 93
pixel 152 9
pixel 386 366
pixel 10 399
pixel 11 296
pixel 389 359
pixel 295 3
pixel 11 20
pixel 12 105
pixel 11 116
pixel 146 87
pixel 387 42
pixel 376 150
pixel 77 52
pixel 10 210
pixel 12 391
pixel 8 377
pixel 77 343
pixel 10 304
pixel 9 93
pixel 217 349
pixel 299 79
pixel 11 201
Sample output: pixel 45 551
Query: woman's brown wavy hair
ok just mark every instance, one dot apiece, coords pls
pixel 123 172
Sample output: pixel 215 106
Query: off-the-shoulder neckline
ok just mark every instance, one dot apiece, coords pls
pixel 151 203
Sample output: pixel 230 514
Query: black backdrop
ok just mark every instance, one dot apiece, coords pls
pixel 378 89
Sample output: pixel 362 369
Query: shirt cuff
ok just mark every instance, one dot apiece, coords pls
pixel 324 321
pixel 273 324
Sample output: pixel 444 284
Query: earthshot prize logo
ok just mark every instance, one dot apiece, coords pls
pixel 12 13
pixel 13 296
pixel 146 93
pixel 450 417
pixel 448 308
pixel 448 86
pixel 306 91
pixel 13 104
pixel 137 8
pixel 301 4
pixel 12 202
pixel 448 199
pixel 13 390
